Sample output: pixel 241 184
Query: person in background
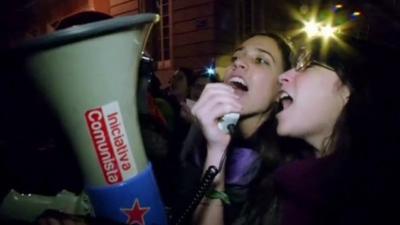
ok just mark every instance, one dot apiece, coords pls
pixel 83 17
pixel 154 123
pixel 177 94
pixel 193 136
pixel 195 89
pixel 200 81
pixel 180 83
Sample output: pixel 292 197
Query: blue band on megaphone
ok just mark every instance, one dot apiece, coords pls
pixel 135 201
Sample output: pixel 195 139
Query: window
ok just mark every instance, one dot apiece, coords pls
pixel 165 30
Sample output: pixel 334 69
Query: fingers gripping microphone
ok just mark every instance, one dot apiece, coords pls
pixel 228 122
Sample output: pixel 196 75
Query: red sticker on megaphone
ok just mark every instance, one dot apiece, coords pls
pixel 110 141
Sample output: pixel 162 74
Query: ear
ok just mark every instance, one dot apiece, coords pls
pixel 344 93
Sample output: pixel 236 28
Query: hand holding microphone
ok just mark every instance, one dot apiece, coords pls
pixel 217 112
pixel 217 100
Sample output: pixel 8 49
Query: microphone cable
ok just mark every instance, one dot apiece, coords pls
pixel 205 185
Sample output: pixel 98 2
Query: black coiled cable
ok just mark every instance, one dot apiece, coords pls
pixel 205 185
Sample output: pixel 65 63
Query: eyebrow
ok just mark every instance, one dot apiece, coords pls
pixel 260 50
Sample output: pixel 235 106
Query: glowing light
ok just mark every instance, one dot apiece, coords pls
pixel 210 71
pixel 338 6
pixel 314 29
pixel 311 28
pixel 326 24
pixel 327 31
pixel 355 15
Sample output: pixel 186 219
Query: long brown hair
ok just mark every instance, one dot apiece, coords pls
pixel 274 151
pixel 341 181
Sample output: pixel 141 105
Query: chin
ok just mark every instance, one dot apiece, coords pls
pixel 286 129
pixel 281 131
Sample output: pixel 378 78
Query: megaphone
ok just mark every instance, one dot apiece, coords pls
pixel 89 75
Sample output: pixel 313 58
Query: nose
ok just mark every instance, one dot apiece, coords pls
pixel 239 64
pixel 286 77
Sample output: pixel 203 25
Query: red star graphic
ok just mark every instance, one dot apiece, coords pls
pixel 136 213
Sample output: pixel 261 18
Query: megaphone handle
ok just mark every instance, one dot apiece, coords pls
pixel 205 185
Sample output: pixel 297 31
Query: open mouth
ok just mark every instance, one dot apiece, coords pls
pixel 238 83
pixel 285 100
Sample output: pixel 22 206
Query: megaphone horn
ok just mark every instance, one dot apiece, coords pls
pixel 89 75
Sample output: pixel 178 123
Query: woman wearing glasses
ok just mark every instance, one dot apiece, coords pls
pixel 328 100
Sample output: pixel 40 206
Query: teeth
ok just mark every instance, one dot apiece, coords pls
pixel 238 80
pixel 284 95
pixel 285 100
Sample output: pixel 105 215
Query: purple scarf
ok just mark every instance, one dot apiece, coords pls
pixel 242 165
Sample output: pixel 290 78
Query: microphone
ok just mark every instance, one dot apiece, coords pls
pixel 228 122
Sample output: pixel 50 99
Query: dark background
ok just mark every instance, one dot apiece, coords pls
pixel 36 156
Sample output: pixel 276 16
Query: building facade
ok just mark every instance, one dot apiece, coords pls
pixel 191 33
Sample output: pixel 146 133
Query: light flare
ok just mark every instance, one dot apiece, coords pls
pixel 311 28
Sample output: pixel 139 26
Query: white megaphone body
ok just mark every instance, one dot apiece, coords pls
pixel 89 75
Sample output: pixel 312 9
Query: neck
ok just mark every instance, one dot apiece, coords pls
pixel 249 125
pixel 320 142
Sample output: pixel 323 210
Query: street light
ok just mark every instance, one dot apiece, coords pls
pixel 311 28
pixel 314 29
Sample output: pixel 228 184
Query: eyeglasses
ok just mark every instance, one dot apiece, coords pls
pixel 305 61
